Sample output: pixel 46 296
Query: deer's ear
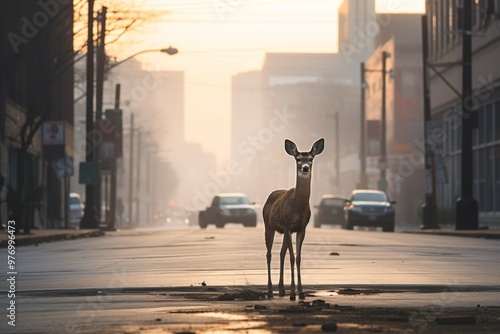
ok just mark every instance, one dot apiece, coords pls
pixel 290 147
pixel 318 147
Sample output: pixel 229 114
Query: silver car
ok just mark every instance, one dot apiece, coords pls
pixel 75 210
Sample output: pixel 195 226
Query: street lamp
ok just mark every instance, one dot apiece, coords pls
pixel 170 51
pixel 382 182
pixel 90 219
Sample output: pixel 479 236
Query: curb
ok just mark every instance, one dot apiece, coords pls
pixel 483 234
pixel 27 240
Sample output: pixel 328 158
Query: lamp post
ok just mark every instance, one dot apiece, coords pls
pixel 89 219
pixel 467 206
pixel 382 182
pixel 362 132
pixel 429 208
pixel 101 70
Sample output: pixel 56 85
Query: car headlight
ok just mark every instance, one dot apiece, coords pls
pixel 355 208
pixel 389 209
pixel 225 212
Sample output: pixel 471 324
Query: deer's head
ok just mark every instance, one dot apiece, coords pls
pixel 304 159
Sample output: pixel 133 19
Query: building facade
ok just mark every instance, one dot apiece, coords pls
pixel 36 96
pixel 445 55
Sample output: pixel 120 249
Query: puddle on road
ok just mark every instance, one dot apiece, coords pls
pixel 324 293
pixel 236 322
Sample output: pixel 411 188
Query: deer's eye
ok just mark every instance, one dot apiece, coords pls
pixel 298 159
pixel 310 159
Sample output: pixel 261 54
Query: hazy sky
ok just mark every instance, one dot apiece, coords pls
pixel 219 38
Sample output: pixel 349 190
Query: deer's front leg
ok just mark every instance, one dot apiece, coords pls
pixel 284 248
pixel 300 239
pixel 269 246
pixel 288 238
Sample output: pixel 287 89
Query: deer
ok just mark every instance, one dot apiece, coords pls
pixel 288 211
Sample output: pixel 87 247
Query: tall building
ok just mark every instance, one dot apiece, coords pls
pixel 445 55
pixel 404 121
pixel 36 95
pixel 358 27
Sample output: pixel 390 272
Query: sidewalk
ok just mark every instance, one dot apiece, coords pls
pixel 485 234
pixel 39 236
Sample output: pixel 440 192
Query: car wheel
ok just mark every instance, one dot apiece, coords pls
pixel 202 221
pixel 388 228
pixel 219 224
pixel 251 223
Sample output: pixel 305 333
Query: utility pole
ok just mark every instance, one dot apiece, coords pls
pixel 131 172
pixel 467 206
pixel 89 219
pixel 100 61
pixel 337 151
pixel 148 186
pixel 138 180
pixel 429 208
pixel 112 195
pixel 362 133
pixel 382 182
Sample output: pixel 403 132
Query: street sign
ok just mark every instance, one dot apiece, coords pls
pixel 116 116
pixel 53 133
pixel 89 173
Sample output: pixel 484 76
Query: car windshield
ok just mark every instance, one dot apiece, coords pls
pixel 334 201
pixel 232 200
pixel 370 197
pixel 74 200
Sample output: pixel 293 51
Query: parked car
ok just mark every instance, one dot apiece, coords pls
pixel 369 208
pixel 330 211
pixel 229 208
pixel 75 210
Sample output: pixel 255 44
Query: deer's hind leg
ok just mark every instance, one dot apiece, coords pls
pixel 269 246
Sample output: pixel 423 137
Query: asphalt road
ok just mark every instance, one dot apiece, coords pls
pixel 176 279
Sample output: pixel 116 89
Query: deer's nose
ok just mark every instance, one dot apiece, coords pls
pixel 305 168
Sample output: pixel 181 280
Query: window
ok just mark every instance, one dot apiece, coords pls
pixel 488 131
pixel 482 125
pixel 451 20
pixel 496 115
pixel 433 31
pixel 490 179
pixel 497 177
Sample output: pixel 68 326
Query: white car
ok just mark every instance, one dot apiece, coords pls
pixel 75 210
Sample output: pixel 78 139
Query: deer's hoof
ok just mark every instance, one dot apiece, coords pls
pixel 270 295
pixel 282 293
pixel 292 298
pixel 302 296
